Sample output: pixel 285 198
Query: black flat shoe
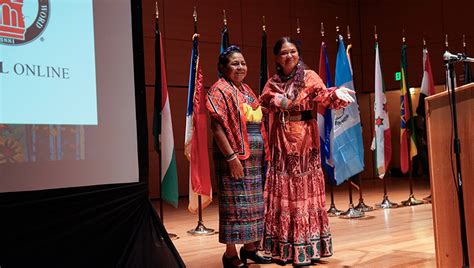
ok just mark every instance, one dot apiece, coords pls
pixel 244 255
pixel 232 262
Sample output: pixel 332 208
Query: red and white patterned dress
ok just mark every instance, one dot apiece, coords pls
pixel 296 221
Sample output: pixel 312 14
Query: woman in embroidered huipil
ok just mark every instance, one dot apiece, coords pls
pixel 236 122
pixel 296 221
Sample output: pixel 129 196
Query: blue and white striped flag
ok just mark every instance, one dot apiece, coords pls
pixel 348 150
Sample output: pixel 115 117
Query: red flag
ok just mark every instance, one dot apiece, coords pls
pixel 196 148
pixel 427 84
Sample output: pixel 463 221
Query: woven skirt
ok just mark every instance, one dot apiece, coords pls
pixel 241 205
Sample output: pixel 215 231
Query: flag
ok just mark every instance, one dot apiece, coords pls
pixel 263 62
pixel 467 73
pixel 467 65
pixel 406 150
pixel 195 147
pixel 355 180
pixel 427 84
pixel 163 127
pixel 224 38
pixel 382 138
pixel 348 150
pixel 326 133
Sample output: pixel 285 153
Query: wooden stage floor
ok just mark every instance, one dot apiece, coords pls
pixel 400 237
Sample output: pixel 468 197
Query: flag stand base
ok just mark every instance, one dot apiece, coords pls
pixel 363 207
pixel 173 236
pixel 386 203
pixel 333 211
pixel 352 213
pixel 427 199
pixel 412 201
pixel 201 230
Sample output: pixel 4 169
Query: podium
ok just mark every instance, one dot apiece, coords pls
pixel 442 173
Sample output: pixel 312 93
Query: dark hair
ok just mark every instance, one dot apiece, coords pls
pixel 300 67
pixel 281 41
pixel 224 58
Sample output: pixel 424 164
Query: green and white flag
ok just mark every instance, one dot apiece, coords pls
pixel 163 127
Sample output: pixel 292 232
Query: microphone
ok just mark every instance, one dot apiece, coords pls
pixel 449 57
pixel 468 59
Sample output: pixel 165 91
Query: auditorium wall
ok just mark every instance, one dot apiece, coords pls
pixel 431 19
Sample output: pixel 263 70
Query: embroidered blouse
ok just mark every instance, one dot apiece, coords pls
pixel 233 108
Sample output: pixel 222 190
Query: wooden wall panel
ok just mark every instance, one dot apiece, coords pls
pixel 365 106
pixel 178 55
pixel 209 56
pixel 311 58
pixel 178 103
pixel 277 16
pixel 419 18
pixel 153 182
pixel 150 95
pixel 149 54
pixel 306 12
pixel 457 20
pixel 252 57
pixel 178 19
pixel 211 20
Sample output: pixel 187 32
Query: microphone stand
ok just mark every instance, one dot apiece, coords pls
pixel 457 151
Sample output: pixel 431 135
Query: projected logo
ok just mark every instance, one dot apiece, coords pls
pixel 22 21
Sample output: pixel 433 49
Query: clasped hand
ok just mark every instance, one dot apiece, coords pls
pixel 236 169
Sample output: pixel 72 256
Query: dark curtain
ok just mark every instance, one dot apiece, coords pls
pixel 99 226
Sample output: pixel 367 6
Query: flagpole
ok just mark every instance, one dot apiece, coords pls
pixel 332 211
pixel 446 44
pixel 428 198
pixel 200 228
pixel 467 65
pixel 158 144
pixel 464 47
pixel 298 28
pixel 298 36
pixel 386 203
pixel 446 49
pixel 225 33
pixel 157 33
pixel 361 206
pixel 351 212
pixel 263 59
pixel 411 201
pixel 263 78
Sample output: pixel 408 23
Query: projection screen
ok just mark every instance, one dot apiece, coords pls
pixel 67 94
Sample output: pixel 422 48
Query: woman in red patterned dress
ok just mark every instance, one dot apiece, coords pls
pixel 296 221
